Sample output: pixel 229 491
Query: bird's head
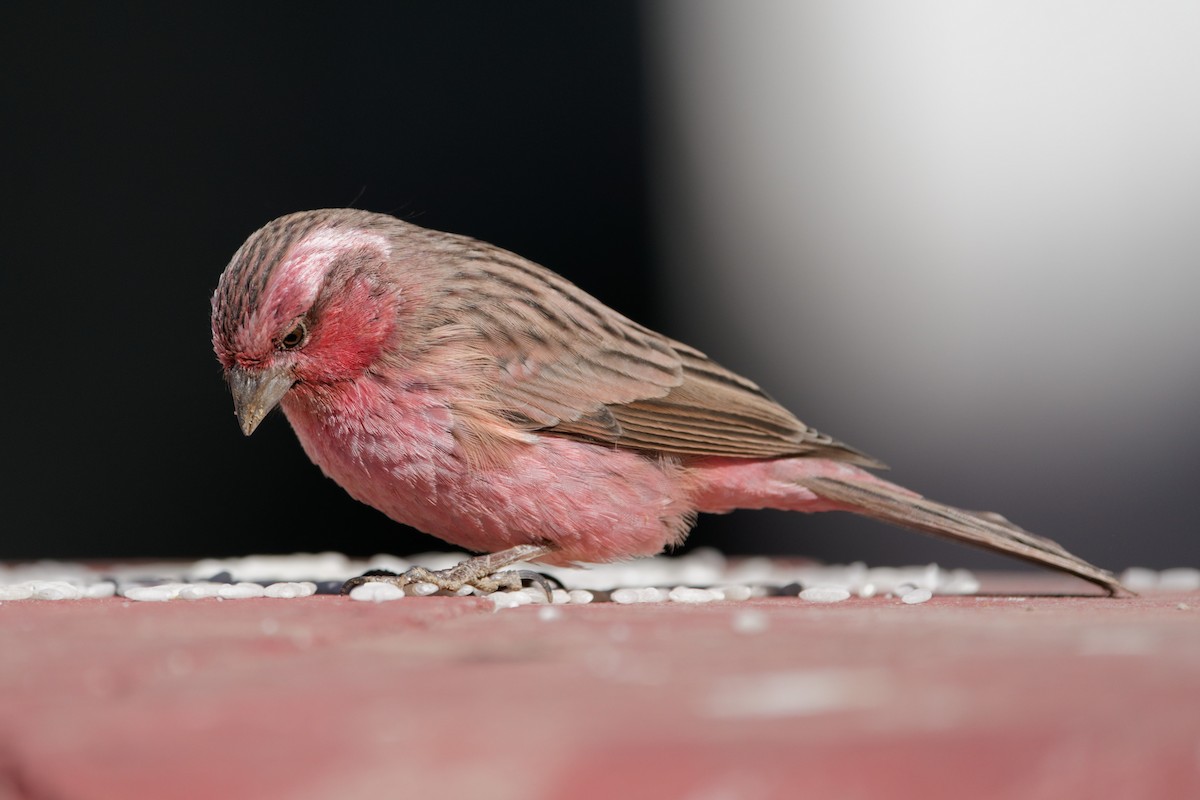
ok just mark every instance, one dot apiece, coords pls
pixel 306 301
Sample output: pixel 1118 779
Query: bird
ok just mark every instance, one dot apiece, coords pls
pixel 477 396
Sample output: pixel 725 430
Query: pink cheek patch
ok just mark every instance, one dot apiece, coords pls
pixel 349 335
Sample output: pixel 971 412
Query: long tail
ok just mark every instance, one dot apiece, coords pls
pixel 887 503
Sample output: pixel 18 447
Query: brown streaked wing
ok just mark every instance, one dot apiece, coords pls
pixel 716 412
pixel 571 366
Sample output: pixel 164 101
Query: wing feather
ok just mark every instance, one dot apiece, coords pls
pixel 568 365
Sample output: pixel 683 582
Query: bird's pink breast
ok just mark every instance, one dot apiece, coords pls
pixel 399 454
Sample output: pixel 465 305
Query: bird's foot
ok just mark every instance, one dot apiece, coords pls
pixel 482 573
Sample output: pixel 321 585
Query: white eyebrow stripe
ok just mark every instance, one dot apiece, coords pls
pixel 308 263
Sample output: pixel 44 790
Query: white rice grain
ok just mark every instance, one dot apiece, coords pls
pixel 151 594
pixel 290 589
pixel 916 596
pixel 1179 579
pixel 200 591
pixel 686 594
pixel 825 594
pixel 17 591
pixel 100 590
pixel 649 594
pixel 376 592
pixel 536 595
pixel 508 599
pixel 56 590
pixel 1140 579
pixel 240 591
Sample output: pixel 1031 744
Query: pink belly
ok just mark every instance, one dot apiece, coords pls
pixel 592 503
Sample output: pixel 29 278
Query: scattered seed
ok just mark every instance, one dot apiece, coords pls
pixel 825 594
pixel 1140 579
pixel 686 594
pixel 291 589
pixel 200 591
pixel 240 591
pixel 733 579
pixel 56 590
pixel 580 596
pixel 508 599
pixel 151 594
pixel 648 594
pixel 735 592
pixel 536 595
pixel 1179 579
pixel 916 596
pixel 97 591
pixel 376 592
pixel 16 591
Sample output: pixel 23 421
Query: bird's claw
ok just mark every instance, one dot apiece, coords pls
pixel 547 583
pixel 455 578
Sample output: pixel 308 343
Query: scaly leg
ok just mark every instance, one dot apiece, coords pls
pixel 481 572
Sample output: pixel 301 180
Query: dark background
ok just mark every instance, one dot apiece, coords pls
pixel 145 144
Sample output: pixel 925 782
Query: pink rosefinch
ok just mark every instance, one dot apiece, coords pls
pixel 479 397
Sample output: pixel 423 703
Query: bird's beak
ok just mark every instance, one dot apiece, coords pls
pixel 256 392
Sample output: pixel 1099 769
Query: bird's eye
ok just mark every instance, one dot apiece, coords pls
pixel 294 337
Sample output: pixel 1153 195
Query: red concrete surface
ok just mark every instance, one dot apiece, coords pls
pixel 972 697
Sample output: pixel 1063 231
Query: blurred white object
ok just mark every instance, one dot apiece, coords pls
pixel 951 234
